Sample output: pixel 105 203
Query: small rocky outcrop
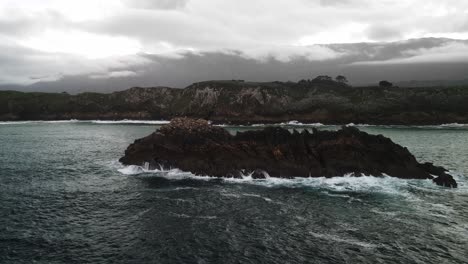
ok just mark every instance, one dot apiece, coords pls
pixel 196 146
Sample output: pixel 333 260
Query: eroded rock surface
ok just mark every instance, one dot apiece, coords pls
pixel 238 102
pixel 196 146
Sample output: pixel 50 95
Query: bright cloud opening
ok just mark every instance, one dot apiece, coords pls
pixel 86 44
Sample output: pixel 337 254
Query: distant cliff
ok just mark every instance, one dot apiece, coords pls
pixel 327 102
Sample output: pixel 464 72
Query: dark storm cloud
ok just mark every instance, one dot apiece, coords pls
pixel 365 64
pixel 108 43
pixel 14 68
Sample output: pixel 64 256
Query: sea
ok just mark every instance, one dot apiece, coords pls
pixel 65 198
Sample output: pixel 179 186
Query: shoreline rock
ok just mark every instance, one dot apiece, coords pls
pixel 232 102
pixel 196 146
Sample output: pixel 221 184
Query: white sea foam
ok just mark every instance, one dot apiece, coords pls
pixel 257 196
pixel 342 184
pixel 241 195
pixel 132 170
pixel 297 123
pixel 346 183
pixel 441 126
pixel 206 217
pixel 337 195
pixel 341 239
pixel 14 122
pixel 102 122
pixel 289 123
pixel 173 174
pixel 38 122
pixel 454 125
pixel 126 121
pixel 248 125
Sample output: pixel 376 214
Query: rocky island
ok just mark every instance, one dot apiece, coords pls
pixel 196 146
pixel 240 102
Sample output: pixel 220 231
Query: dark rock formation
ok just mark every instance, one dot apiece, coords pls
pixel 203 149
pixel 236 102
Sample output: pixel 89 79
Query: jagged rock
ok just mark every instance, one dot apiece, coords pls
pixel 237 102
pixel 203 149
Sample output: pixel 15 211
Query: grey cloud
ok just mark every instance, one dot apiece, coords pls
pixel 193 67
pixel 23 65
pixel 22 25
pixel 450 52
pixel 14 68
pixel 261 40
pixel 157 4
pixel 114 74
pixel 208 28
pixel 8 27
pixel 200 32
pixel 383 33
pixel 209 25
pixel 334 2
pixel 178 29
pixel 387 51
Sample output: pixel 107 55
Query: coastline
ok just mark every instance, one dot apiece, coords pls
pixel 247 103
pixel 290 123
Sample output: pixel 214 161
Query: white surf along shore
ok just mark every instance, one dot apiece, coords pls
pixel 289 123
pixel 341 183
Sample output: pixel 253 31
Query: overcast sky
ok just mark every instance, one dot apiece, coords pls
pixel 142 41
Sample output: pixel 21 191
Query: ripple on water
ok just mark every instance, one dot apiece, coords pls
pixel 61 201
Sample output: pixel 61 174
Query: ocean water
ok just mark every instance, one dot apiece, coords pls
pixel 64 198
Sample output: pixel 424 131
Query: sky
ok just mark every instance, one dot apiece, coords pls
pixel 116 43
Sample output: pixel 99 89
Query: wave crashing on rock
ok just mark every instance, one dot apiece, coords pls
pixel 196 146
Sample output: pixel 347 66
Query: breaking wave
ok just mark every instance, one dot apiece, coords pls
pixel 289 123
pixel 454 125
pixel 442 126
pixel 101 122
pixel 126 121
pixel 39 122
pixel 342 184
pixel 297 123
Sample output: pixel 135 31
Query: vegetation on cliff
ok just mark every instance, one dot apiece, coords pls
pixel 237 101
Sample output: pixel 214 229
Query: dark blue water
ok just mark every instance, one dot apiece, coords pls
pixel 63 200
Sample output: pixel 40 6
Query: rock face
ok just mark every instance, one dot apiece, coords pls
pixel 196 146
pixel 239 102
